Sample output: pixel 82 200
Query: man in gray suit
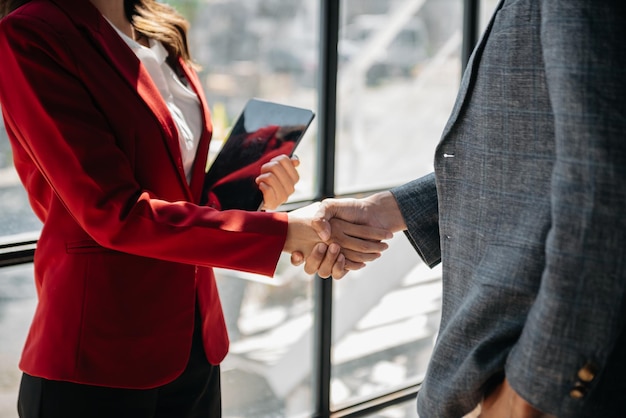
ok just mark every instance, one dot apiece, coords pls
pixel 526 211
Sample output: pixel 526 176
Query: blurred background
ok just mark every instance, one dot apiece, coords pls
pixel 399 67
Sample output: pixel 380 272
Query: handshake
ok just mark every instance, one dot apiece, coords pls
pixel 336 236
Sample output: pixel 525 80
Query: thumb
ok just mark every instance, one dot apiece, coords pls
pixel 322 227
pixel 297 258
pixel 320 221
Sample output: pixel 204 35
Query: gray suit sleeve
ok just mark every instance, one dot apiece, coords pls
pixel 575 324
pixel 418 203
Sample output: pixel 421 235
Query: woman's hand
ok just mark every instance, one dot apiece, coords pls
pixel 277 180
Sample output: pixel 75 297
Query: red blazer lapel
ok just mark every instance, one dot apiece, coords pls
pixel 94 26
pixel 199 168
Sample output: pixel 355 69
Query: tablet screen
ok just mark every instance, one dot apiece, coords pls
pixel 263 131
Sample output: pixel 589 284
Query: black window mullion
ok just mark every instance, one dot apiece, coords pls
pixel 471 27
pixel 327 116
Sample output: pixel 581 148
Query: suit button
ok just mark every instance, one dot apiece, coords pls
pixel 587 373
pixel 578 392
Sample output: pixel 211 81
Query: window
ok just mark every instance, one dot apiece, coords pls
pixel 398 75
pixel 399 70
pixel 265 49
pixel 17 304
pixel 16 218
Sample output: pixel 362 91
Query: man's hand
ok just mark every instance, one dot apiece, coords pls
pixel 348 246
pixel 343 221
pixel 379 210
pixel 504 402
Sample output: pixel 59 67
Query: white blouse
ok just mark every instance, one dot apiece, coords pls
pixel 181 100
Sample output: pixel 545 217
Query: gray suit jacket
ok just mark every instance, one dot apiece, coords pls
pixel 526 209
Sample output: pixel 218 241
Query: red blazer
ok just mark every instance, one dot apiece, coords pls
pixel 125 249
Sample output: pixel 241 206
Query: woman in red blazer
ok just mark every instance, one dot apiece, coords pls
pixel 129 322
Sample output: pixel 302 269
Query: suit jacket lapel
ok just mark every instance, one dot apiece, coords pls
pixel 89 21
pixel 468 77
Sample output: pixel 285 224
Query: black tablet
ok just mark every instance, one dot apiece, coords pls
pixel 263 131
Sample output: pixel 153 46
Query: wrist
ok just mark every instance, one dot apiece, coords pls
pixel 387 211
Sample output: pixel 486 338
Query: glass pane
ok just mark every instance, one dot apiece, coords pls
pixel 17 306
pixel 263 48
pixel 486 10
pixel 267 372
pixel 386 318
pixel 266 49
pixel 399 73
pixel 16 217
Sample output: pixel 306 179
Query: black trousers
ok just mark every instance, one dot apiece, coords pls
pixel 194 394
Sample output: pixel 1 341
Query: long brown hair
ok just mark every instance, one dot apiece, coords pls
pixel 150 18
pixel 161 22
pixel 7 6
